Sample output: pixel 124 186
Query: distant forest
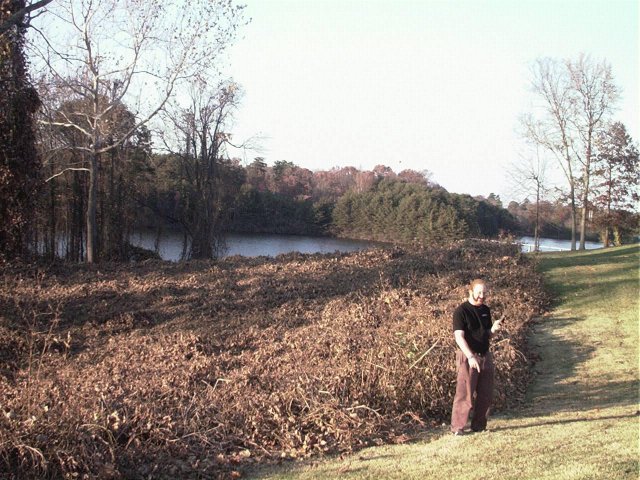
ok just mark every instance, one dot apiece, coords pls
pixel 373 204
pixel 139 189
pixel 378 204
pixel 199 191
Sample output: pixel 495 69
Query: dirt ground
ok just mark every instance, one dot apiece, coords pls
pixel 198 369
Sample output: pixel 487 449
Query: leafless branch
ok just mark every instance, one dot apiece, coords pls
pixel 18 17
pixel 66 170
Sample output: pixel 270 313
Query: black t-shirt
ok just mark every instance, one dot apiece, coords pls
pixel 476 324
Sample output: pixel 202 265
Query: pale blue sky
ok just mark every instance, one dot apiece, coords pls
pixel 424 84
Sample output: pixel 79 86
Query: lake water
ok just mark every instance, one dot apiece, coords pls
pixel 551 244
pixel 255 245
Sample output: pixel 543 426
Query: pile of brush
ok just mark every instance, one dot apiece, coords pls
pixel 163 370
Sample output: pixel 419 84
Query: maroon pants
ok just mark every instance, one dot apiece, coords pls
pixel 473 391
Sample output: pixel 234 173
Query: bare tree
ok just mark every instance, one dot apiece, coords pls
pixel 576 99
pixel 113 52
pixel 198 138
pixel 529 176
pixel 552 131
pixel 594 94
pixel 21 16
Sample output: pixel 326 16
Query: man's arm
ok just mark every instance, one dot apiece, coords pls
pixel 464 346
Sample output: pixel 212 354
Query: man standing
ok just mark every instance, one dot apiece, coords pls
pixel 472 328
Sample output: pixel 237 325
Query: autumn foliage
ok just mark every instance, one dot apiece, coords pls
pixel 199 369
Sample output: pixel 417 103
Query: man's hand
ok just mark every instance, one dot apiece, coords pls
pixel 497 325
pixel 473 363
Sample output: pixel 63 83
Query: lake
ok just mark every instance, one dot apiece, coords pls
pixel 255 245
pixel 551 244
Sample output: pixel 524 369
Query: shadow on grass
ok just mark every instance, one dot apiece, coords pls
pixel 581 295
pixel 590 258
pixel 568 421
pixel 561 384
pixel 369 458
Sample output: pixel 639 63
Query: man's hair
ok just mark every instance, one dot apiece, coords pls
pixel 477 281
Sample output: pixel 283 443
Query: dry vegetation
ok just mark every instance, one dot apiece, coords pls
pixel 162 370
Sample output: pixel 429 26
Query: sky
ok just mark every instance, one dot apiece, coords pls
pixel 423 84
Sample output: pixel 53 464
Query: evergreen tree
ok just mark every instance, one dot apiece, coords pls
pixel 398 211
pixel 617 176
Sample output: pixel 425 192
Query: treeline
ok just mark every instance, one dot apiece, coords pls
pixel 140 189
pixel 411 213
pixel 553 217
pixel 378 204
pixel 252 199
pixel 554 221
pixel 207 196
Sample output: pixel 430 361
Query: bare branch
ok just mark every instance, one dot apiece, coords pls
pixel 18 17
pixel 66 125
pixel 66 170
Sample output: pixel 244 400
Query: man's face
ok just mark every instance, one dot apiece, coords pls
pixel 476 296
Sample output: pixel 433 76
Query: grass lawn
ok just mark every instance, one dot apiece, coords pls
pixel 581 417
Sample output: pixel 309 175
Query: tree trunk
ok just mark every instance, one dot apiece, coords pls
pixel 607 228
pixel 52 219
pixel 583 222
pixel 536 233
pixel 76 223
pixel 91 210
pixel 617 236
pixel 585 196
pixel 574 218
pixel 80 222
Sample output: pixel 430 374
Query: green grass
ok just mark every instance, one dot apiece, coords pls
pixel 580 420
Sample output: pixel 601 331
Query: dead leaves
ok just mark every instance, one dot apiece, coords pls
pixel 201 368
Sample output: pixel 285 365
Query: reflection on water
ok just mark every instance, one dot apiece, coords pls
pixel 553 245
pixel 272 245
pixel 255 245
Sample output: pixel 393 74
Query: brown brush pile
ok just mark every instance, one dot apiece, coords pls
pixel 194 370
